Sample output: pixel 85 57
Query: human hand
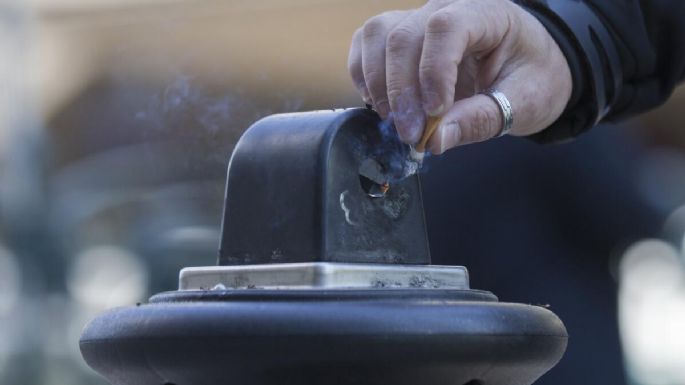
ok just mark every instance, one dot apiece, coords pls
pixel 433 62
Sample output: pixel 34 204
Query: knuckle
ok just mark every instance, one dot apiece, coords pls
pixel 440 22
pixel 485 123
pixel 430 71
pixel 394 94
pixel 356 36
pixel 374 27
pixel 432 82
pixel 375 78
pixel 400 39
pixel 464 12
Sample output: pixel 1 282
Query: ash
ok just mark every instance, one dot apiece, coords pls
pixel 424 281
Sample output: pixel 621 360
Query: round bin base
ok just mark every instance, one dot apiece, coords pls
pixel 260 337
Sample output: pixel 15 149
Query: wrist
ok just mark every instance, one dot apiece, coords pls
pixel 592 58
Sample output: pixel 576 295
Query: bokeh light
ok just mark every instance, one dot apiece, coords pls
pixel 652 313
pixel 107 276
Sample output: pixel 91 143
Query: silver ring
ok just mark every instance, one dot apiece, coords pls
pixel 505 109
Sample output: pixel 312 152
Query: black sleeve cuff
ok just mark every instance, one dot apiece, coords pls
pixel 593 61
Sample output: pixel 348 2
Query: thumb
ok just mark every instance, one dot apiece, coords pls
pixel 469 120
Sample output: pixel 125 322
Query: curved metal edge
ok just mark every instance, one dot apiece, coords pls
pixel 323 275
pixel 364 295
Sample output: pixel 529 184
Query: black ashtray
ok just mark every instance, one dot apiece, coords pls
pixel 320 281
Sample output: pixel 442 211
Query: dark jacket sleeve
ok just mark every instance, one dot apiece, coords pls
pixel 629 62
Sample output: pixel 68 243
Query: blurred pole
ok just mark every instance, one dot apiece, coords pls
pixel 22 208
pixel 22 142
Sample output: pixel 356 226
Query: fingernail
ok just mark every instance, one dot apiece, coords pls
pixel 432 104
pixel 366 96
pixel 449 130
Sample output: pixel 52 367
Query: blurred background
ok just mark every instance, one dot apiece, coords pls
pixel 117 118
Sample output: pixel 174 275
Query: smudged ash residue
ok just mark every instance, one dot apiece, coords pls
pixel 346 209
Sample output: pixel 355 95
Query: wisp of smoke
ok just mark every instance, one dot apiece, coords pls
pixel 182 103
pixel 393 153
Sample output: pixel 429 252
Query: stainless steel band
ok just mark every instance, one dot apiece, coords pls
pixel 324 275
pixel 505 109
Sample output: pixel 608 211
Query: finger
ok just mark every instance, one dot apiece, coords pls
pixel 354 66
pixel 374 33
pixel 451 33
pixel 469 120
pixel 478 118
pixel 403 53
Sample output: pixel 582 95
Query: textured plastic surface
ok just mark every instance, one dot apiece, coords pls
pixel 294 194
pixel 412 338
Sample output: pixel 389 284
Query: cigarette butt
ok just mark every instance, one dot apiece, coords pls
pixel 432 124
pixel 416 156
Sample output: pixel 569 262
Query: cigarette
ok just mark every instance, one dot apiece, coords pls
pixel 417 152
